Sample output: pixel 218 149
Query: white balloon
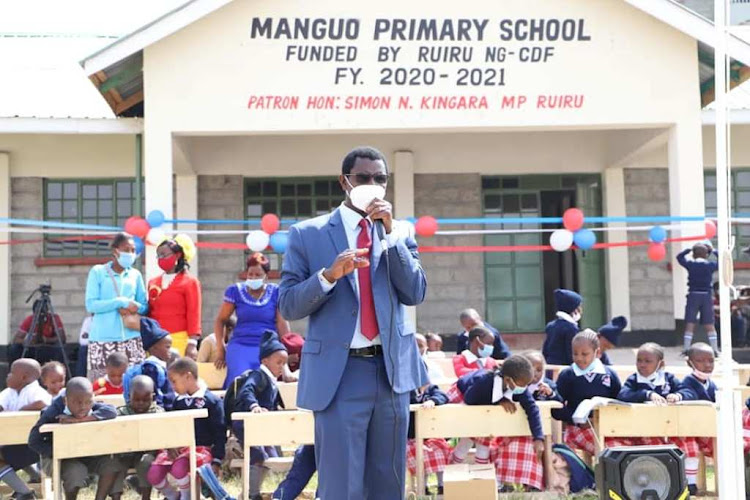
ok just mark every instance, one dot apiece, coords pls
pixel 156 236
pixel 561 240
pixel 257 240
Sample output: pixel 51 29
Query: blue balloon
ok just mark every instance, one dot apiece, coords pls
pixel 657 234
pixel 140 246
pixel 584 239
pixel 155 218
pixel 279 242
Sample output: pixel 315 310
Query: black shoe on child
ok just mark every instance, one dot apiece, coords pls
pixel 693 489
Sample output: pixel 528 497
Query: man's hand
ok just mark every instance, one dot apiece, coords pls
pixel 508 405
pixel 346 262
pixel 383 211
pixel 191 351
pixel 657 399
pixel 539 449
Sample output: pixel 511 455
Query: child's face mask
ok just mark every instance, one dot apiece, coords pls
pixel 485 351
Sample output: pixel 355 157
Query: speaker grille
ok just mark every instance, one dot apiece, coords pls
pixel 646 473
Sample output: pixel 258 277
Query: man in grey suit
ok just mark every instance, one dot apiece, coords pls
pixel 360 359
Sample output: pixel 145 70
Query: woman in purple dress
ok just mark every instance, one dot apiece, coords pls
pixel 256 305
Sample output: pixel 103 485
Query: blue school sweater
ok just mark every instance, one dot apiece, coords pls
pixel 432 393
pixel 209 431
pixel 635 392
pixel 42 442
pixel 694 390
pixel 156 370
pixel 258 390
pixel 501 350
pixel 700 272
pixel 574 389
pixel 555 394
pixel 558 346
pixel 477 390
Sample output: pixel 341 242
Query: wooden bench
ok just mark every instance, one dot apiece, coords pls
pixel 649 420
pixel 212 376
pixel 123 435
pixel 16 426
pixel 273 428
pixel 450 421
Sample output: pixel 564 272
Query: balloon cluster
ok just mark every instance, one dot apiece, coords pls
pixel 574 232
pixel 268 235
pixel 657 235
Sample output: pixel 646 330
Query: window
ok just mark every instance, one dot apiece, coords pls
pixel 291 198
pixel 104 202
pixel 740 205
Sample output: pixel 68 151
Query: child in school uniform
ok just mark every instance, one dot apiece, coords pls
pixel 541 388
pixel 207 352
pixel 158 342
pixel 437 451
pixel 517 460
pixel 53 377
pixel 210 433
pixel 434 372
pixel 557 348
pixel 609 336
pixel 479 354
pixel 697 386
pixel 75 406
pixel 434 345
pixel 111 383
pixel 587 377
pixel 141 402
pixel 22 394
pixel 700 292
pixel 260 394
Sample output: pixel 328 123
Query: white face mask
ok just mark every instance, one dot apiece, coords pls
pixel 255 284
pixel 362 195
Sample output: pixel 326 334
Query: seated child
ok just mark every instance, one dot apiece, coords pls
pixel 697 386
pixel 434 372
pixel 53 377
pixel 557 348
pixel 111 383
pixel 76 406
pixel 210 433
pixel 260 394
pixel 699 298
pixel 437 451
pixel 541 388
pixel 141 402
pixel 23 394
pixel 586 378
pixel 293 343
pixel 158 342
pixel 478 355
pixel 517 460
pixel 609 336
pixel 207 352
pixel 434 345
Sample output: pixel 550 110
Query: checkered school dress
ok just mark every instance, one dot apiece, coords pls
pixel 437 454
pixel 746 429
pixel 516 462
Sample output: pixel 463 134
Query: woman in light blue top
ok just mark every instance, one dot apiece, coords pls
pixel 113 291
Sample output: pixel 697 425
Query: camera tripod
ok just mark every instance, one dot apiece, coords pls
pixel 44 312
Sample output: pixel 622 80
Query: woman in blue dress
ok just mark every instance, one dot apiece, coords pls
pixel 255 302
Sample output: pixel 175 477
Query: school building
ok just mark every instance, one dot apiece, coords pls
pixel 227 110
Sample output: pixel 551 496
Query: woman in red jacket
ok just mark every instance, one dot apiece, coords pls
pixel 478 355
pixel 174 298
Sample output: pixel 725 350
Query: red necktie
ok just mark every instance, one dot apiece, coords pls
pixel 368 321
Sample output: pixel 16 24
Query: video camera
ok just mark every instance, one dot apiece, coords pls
pixel 44 290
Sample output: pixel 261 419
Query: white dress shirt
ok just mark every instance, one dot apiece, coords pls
pixel 12 400
pixel 350 220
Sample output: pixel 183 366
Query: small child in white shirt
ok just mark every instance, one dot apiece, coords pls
pixel 23 394
pixel 53 377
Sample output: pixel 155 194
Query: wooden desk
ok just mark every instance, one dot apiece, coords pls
pixel 288 392
pixel 446 365
pixel 458 420
pixel 124 435
pixel 273 428
pixel 16 426
pixel 116 400
pixel 212 376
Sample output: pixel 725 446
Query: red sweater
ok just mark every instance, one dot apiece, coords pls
pixel 103 387
pixel 466 362
pixel 178 308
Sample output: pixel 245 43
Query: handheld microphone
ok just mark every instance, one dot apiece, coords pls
pixel 380 232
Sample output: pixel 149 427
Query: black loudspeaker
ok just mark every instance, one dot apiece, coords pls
pixel 642 473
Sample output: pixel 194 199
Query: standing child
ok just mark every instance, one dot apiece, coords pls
pixel 541 388
pixel 158 342
pixel 561 330
pixel 697 386
pixel 260 394
pixel 478 355
pixel 517 460
pixel 437 451
pixel 699 298
pixel 22 394
pixel 111 383
pixel 53 377
pixel 76 406
pixel 210 433
pixel 586 378
pixel 609 336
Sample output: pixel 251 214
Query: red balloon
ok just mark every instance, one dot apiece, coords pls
pixel 710 229
pixel 137 226
pixel 426 226
pixel 573 219
pixel 270 223
pixel 657 252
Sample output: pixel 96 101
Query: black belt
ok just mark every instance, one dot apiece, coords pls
pixel 367 352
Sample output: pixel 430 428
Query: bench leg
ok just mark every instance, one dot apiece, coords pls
pixel 419 457
pixel 701 478
pixel 246 471
pixel 56 482
pixel 193 483
pixel 547 460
